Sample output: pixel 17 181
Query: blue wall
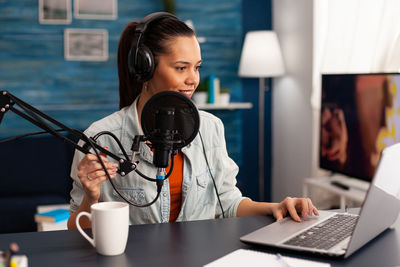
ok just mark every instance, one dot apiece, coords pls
pixel 32 64
pixel 257 15
pixel 33 68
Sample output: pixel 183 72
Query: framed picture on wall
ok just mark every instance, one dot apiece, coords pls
pixel 86 44
pixel 55 11
pixel 95 9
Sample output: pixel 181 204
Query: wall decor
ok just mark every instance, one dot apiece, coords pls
pixel 86 44
pixel 95 9
pixel 55 11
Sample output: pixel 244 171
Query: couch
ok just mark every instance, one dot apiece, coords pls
pixel 34 171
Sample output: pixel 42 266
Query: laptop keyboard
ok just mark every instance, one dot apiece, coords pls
pixel 327 234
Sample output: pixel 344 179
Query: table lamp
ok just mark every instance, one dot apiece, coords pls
pixel 261 58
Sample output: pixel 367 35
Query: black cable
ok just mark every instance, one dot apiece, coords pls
pixel 145 177
pixel 116 140
pixel 212 177
pixel 154 180
pixel 159 182
pixel 26 135
pixel 171 168
pixel 127 157
pixel 41 124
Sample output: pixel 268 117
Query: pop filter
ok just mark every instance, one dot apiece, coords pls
pixel 170 120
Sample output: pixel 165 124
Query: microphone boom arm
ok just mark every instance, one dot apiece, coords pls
pixel 38 118
pixel 33 115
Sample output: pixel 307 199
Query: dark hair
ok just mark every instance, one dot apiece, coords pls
pixel 156 38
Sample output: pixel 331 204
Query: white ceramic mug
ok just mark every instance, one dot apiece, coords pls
pixel 110 227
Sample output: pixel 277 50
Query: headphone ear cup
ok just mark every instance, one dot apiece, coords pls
pixel 145 65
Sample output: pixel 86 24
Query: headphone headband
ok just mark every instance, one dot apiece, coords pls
pixel 142 26
pixel 141 59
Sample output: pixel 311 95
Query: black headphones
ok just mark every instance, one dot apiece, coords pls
pixel 141 62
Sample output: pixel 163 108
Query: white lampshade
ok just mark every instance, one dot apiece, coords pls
pixel 261 55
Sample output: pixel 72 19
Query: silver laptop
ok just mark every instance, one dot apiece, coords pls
pixel 341 234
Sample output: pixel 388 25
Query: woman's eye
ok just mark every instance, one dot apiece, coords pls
pixel 198 67
pixel 180 68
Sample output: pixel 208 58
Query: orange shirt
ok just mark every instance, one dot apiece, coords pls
pixel 175 186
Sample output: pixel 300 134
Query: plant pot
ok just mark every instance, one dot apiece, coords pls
pixel 200 98
pixel 224 98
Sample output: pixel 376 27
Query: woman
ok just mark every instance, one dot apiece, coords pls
pixel 189 192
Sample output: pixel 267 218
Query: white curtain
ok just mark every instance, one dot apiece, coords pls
pixel 352 36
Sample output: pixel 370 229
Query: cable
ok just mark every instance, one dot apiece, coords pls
pixel 26 135
pixel 116 140
pixel 36 120
pixel 159 182
pixel 212 177
pixel 127 157
pixel 155 180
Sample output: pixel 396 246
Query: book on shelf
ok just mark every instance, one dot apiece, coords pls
pixel 213 86
pixel 54 216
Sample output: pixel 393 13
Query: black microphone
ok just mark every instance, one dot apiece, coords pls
pixel 170 121
pixel 163 137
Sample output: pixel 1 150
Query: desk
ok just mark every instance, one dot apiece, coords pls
pixel 179 244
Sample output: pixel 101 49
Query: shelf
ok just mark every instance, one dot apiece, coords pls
pixel 231 106
pixel 355 193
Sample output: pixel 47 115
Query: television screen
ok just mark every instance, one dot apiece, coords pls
pixel 360 116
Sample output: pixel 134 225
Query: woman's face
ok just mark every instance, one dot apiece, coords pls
pixel 177 70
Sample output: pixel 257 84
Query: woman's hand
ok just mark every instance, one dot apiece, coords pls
pixel 91 174
pixel 294 206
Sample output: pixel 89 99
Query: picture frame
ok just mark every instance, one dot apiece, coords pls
pixel 55 11
pixel 96 9
pixel 86 44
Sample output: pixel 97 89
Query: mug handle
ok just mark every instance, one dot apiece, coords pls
pixel 84 213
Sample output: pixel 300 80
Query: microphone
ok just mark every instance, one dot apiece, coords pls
pixel 170 121
pixel 163 136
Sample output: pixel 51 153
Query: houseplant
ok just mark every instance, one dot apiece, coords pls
pixel 200 95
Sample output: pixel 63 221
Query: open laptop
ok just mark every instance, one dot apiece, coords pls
pixel 341 234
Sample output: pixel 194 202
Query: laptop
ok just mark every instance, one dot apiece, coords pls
pixel 341 234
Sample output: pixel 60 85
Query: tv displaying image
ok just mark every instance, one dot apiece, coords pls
pixel 360 116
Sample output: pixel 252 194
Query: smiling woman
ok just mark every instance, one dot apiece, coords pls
pixel 161 53
pixel 176 71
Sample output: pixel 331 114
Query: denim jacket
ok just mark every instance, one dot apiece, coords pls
pixel 199 200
